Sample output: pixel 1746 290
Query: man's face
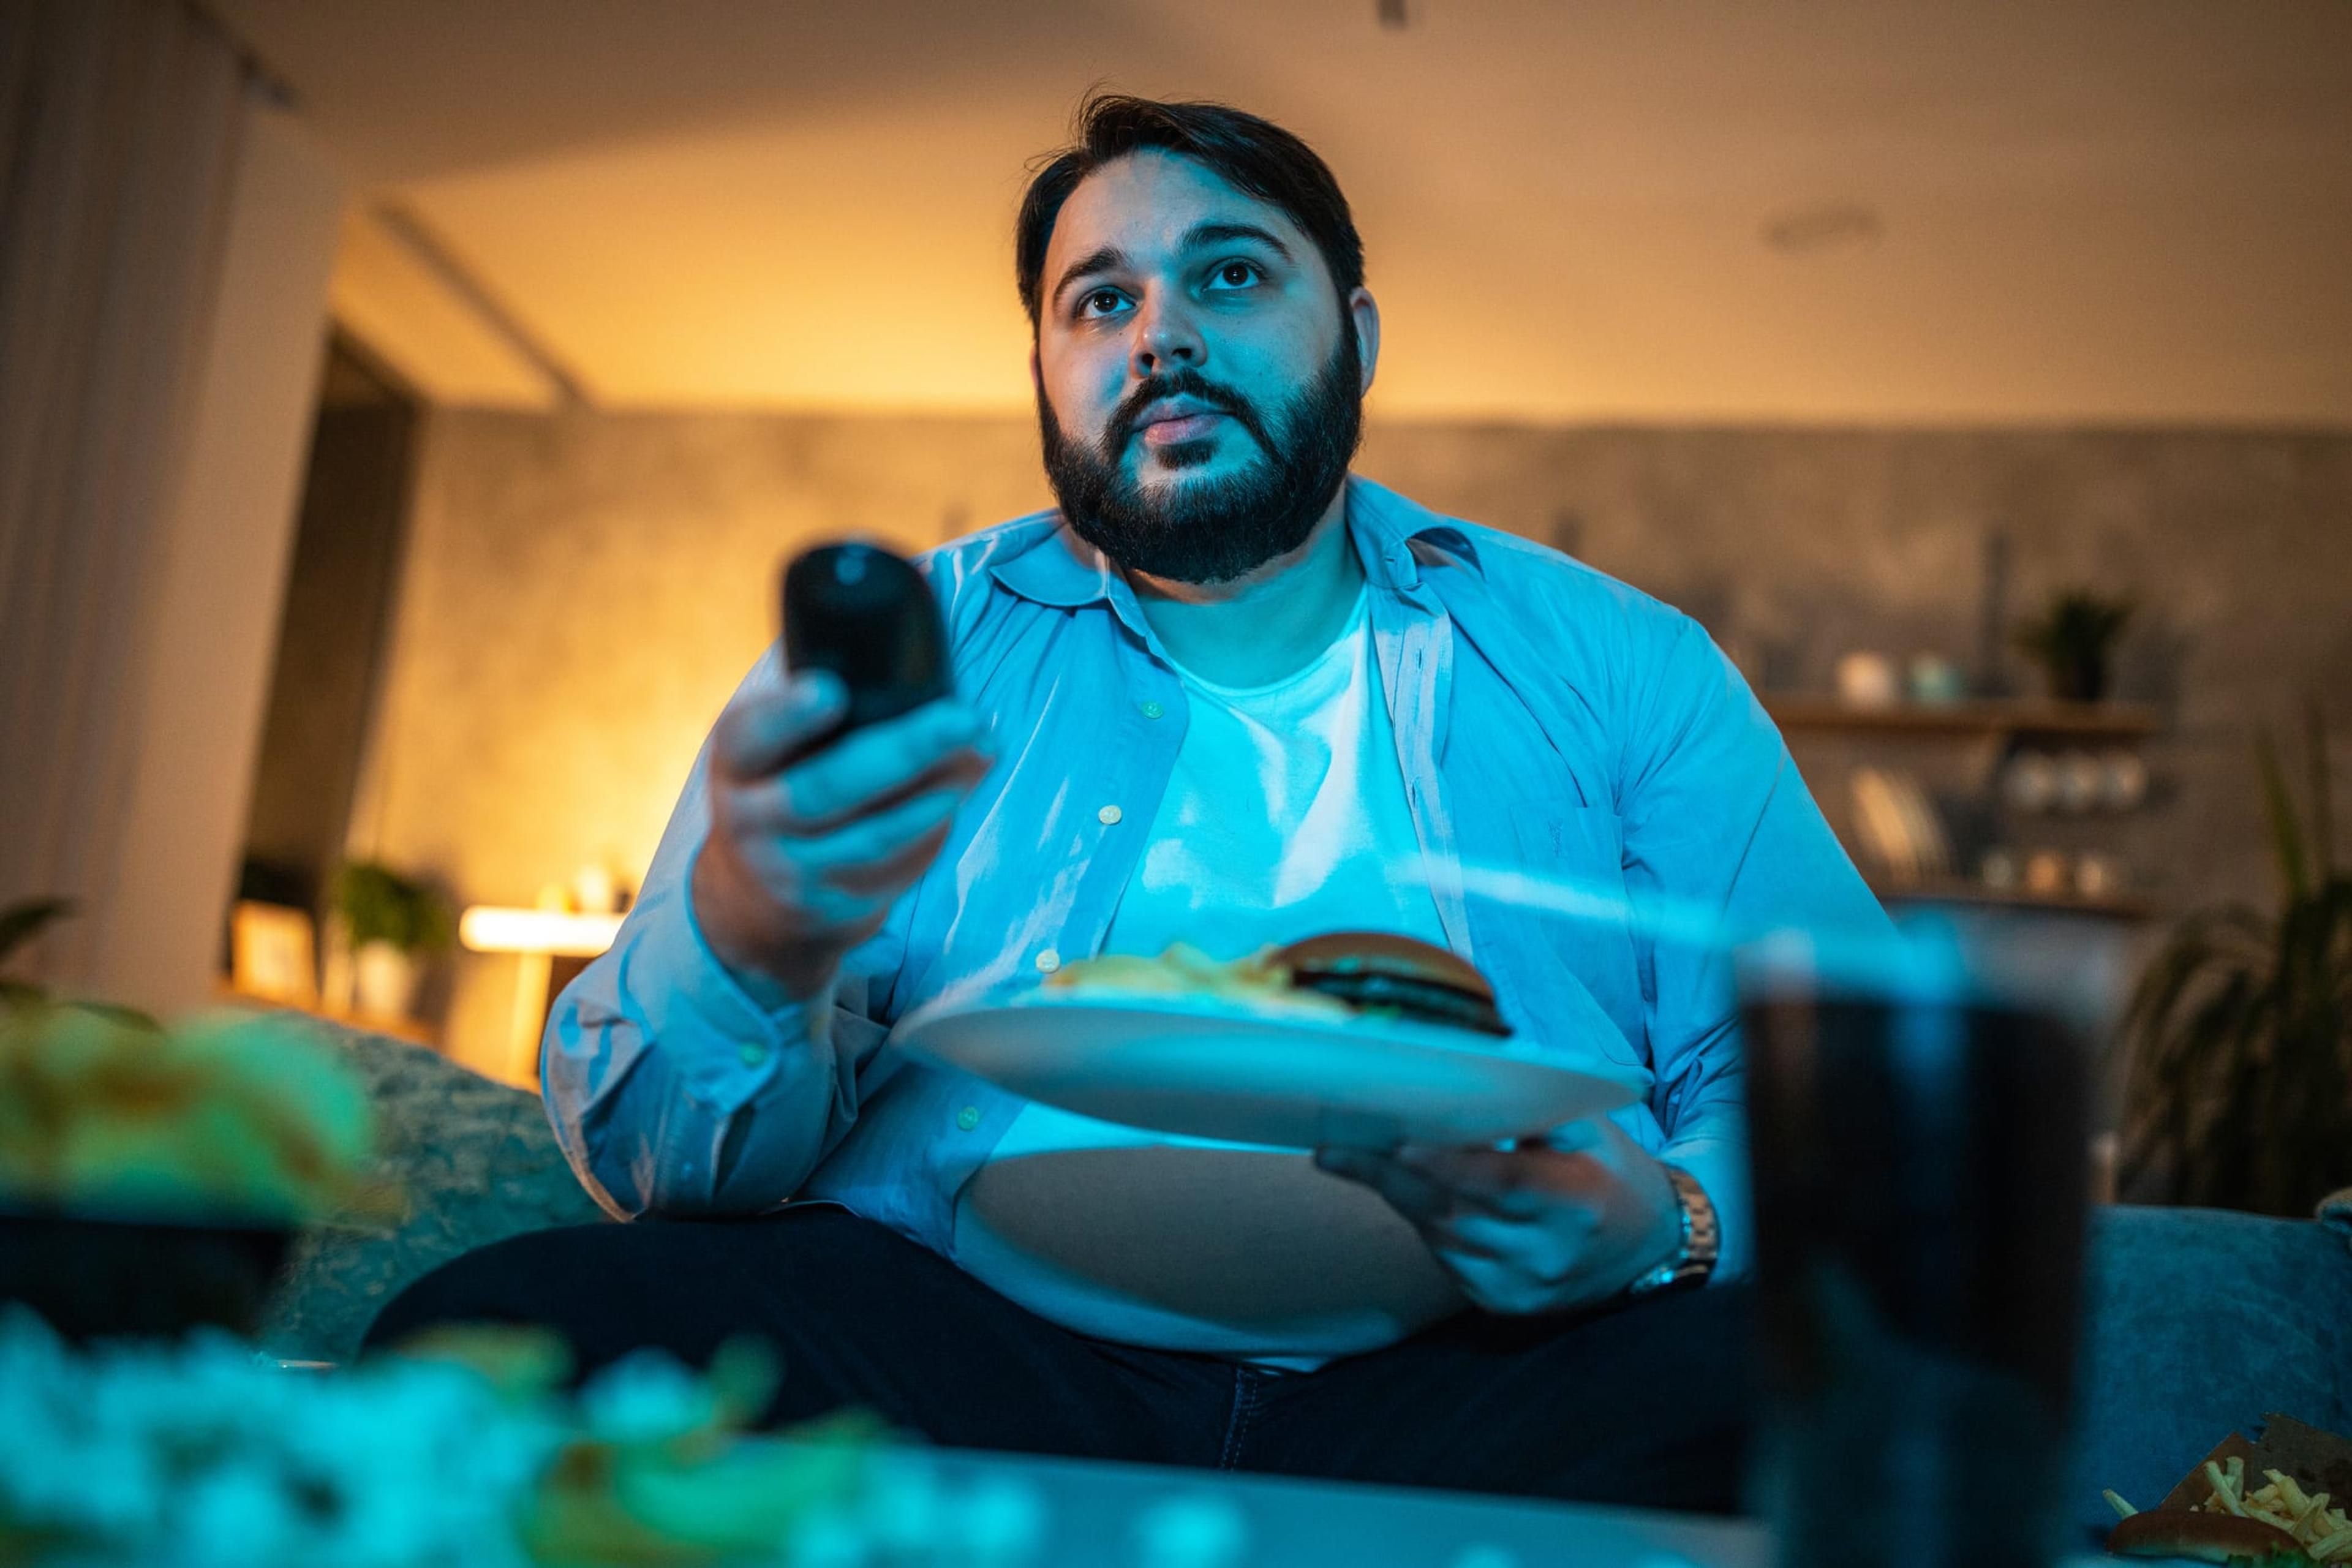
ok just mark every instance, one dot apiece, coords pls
pixel 1200 390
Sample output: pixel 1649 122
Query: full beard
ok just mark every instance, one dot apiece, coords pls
pixel 1211 530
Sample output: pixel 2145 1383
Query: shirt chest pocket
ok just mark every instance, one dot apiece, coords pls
pixel 1549 915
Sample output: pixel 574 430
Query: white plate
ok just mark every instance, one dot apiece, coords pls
pixel 1217 1069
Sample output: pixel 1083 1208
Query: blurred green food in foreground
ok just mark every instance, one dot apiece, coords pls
pixel 653 1470
pixel 225 1116
pixel 466 1446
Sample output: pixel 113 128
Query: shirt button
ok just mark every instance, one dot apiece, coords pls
pixel 752 1053
pixel 1108 815
pixel 968 1118
pixel 1153 710
pixel 1048 962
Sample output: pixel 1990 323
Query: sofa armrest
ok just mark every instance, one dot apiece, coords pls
pixel 471 1161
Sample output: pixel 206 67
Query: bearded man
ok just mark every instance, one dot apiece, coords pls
pixel 1218 696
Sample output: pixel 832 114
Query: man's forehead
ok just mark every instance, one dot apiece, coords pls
pixel 1147 201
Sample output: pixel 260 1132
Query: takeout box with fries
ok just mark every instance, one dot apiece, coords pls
pixel 2279 1501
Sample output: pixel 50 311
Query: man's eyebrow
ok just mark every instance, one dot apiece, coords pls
pixel 1109 255
pixel 1099 260
pixel 1201 234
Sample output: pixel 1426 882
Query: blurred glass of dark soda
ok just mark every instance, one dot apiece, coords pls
pixel 1920 1113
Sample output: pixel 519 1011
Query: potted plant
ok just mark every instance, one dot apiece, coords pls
pixel 2240 1087
pixel 2072 641
pixel 389 921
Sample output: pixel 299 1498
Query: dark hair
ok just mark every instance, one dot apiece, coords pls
pixel 1253 155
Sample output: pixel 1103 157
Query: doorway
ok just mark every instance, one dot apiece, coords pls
pixel 331 632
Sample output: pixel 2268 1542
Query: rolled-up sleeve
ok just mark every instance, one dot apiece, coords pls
pixel 674 1092
pixel 1717 824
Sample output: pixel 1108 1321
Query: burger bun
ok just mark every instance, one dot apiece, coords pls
pixel 2198 1536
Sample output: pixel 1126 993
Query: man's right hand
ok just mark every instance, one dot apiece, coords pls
pixel 809 849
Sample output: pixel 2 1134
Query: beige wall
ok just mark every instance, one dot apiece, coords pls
pixel 582 591
pixel 581 595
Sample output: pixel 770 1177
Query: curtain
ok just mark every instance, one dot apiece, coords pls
pixel 118 145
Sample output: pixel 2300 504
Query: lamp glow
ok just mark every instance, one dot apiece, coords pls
pixel 487 928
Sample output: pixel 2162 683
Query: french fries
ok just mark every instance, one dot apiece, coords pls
pixel 2293 1462
pixel 2325 1534
pixel 1185 971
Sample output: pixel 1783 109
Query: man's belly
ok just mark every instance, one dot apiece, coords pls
pixel 1247 1253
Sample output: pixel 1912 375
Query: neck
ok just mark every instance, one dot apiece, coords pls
pixel 1272 622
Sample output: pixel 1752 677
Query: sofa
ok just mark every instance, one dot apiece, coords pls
pixel 2197 1323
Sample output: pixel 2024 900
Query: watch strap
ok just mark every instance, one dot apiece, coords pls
pixel 1702 1240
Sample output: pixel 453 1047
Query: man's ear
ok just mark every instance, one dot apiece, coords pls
pixel 1364 321
pixel 1036 376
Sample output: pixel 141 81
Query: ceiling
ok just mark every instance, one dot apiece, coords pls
pixel 1882 211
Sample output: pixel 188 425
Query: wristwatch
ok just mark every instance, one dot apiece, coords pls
pixel 1693 1260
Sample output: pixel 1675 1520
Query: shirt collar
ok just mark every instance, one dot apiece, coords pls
pixel 1395 537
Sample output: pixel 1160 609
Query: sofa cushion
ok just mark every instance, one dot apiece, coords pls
pixel 2198 1322
pixel 469 1162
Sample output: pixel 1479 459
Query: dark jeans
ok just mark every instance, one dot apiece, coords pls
pixel 1646 1405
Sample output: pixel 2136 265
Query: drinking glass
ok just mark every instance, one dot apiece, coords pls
pixel 1919 1107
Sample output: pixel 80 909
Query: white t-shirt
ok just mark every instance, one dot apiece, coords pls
pixel 1286 816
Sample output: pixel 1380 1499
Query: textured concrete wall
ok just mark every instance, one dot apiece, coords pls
pixel 1797 546
pixel 582 591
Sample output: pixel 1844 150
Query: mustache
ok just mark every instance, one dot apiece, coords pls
pixel 1183 383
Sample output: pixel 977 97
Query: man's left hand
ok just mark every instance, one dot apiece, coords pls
pixel 1542 1227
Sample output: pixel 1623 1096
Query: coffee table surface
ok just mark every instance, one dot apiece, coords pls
pixel 1095 1509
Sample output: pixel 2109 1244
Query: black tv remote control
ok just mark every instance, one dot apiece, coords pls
pixel 868 617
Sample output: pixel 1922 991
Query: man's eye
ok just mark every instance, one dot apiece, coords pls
pixel 1248 269
pixel 1098 295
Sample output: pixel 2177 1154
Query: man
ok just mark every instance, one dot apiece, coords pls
pixel 1220 696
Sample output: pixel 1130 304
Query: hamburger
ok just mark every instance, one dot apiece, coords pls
pixel 1340 974
pixel 1382 972
pixel 2215 1516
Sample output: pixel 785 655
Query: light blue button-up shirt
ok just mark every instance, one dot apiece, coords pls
pixel 1547 716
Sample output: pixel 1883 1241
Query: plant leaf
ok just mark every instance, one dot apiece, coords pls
pixel 2322 804
pixel 2286 833
pixel 19 923
pixel 116 1013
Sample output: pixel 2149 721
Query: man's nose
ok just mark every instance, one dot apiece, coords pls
pixel 1166 337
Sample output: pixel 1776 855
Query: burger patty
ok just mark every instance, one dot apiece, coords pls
pixel 1421 999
